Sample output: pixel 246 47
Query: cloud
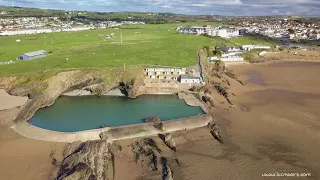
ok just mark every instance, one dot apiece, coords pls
pixel 223 7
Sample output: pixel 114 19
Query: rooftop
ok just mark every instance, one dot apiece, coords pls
pixel 188 77
pixel 35 53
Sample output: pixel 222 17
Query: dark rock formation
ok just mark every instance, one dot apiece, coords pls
pixel 131 88
pixel 223 91
pixel 153 120
pixel 214 130
pixel 156 123
pixel 166 170
pixel 169 141
pixel 147 151
pixel 90 161
pixel 159 126
pixel 80 171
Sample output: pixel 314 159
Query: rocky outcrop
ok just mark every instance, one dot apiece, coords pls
pixel 104 136
pixel 147 151
pixel 168 140
pixel 90 161
pixel 166 170
pixel 214 130
pixel 156 123
pixel 159 126
pixel 153 120
pixel 134 89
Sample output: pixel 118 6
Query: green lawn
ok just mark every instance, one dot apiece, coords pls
pixel 142 45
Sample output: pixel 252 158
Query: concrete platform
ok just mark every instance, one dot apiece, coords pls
pixel 114 133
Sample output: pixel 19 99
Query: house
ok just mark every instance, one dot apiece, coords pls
pixel 251 47
pixel 233 58
pixel 198 30
pixel 243 32
pixel 164 73
pixel 230 49
pixel 33 55
pixel 190 79
pixel 266 31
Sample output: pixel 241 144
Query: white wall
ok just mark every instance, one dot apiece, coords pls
pixel 232 59
pixel 191 81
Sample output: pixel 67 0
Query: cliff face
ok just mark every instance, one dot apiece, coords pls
pixel 56 86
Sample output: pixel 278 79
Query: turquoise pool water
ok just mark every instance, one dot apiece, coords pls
pixel 70 114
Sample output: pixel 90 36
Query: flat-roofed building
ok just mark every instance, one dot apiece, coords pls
pixel 33 55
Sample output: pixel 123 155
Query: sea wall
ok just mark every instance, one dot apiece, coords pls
pixel 113 133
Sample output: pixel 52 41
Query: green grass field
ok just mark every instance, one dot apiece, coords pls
pixel 142 45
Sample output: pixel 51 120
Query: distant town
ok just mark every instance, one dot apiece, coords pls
pixel 35 25
pixel 46 21
pixel 279 29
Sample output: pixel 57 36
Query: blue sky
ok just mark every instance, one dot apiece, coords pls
pixel 222 7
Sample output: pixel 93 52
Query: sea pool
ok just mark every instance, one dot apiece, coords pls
pixel 71 114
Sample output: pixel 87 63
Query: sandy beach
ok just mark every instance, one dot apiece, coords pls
pixel 274 127
pixel 22 158
pixel 8 102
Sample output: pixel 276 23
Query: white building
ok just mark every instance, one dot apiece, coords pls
pixel 223 32
pixel 164 73
pixel 234 58
pixel 196 30
pixel 28 31
pixel 187 79
pixel 251 47
pixel 230 49
pixel 38 31
pixel 266 32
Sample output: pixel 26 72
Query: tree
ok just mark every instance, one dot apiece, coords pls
pixel 291 31
pixel 217 53
pixel 209 51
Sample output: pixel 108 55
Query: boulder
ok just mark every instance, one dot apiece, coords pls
pixel 168 139
pixel 159 126
pixel 153 120
pixel 103 136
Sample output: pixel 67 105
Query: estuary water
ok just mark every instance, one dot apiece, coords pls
pixel 71 114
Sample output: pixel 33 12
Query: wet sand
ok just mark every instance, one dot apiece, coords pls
pixel 278 132
pixel 26 159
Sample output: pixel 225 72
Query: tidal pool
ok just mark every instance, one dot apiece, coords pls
pixel 71 114
pixel 255 78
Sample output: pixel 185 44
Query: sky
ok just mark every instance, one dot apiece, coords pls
pixel 221 7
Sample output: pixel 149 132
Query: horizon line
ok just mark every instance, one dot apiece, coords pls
pixel 60 9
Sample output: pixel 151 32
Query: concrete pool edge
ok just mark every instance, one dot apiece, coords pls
pixel 129 131
pixel 114 133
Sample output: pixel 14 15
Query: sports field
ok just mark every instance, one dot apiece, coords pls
pixel 142 45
